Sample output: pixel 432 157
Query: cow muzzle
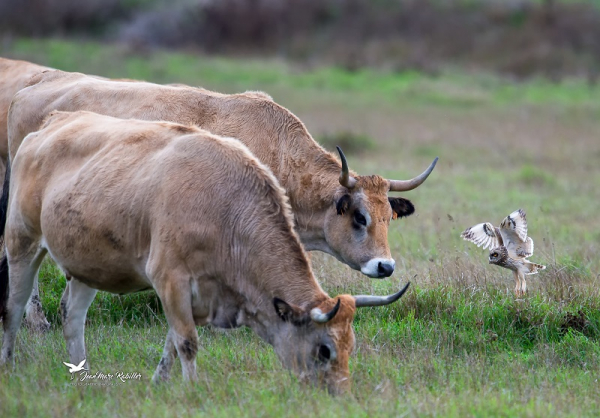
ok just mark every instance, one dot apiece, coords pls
pixel 378 268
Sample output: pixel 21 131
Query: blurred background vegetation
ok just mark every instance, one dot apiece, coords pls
pixel 516 38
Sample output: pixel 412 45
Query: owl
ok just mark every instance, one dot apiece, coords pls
pixel 509 246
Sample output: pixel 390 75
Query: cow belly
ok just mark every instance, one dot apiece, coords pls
pixel 93 251
pixel 108 280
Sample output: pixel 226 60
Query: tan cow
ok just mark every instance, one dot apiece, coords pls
pixel 127 205
pixel 335 211
pixel 349 220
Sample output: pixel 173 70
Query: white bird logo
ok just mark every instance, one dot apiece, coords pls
pixel 73 368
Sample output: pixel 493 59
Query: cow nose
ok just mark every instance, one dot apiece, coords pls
pixel 378 267
pixel 385 269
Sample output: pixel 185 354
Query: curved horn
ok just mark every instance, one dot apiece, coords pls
pixel 317 315
pixel 364 300
pixel 406 185
pixel 346 179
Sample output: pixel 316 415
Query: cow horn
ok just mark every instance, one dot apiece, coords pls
pixel 406 185
pixel 346 179
pixel 317 315
pixel 367 300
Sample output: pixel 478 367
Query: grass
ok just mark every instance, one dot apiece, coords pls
pixel 458 343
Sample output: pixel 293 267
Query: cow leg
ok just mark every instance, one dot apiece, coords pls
pixel 175 297
pixel 21 273
pixel 34 315
pixel 163 371
pixel 79 297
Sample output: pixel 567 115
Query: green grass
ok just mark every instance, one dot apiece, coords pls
pixel 458 343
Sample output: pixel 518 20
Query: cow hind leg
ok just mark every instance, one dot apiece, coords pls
pixel 21 274
pixel 78 297
pixel 34 315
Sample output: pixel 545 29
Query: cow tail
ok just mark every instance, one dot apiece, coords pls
pixel 4 263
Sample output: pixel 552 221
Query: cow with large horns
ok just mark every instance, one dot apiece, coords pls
pixel 127 205
pixel 335 210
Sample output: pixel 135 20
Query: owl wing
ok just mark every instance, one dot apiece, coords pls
pixel 523 249
pixel 515 224
pixel 514 233
pixel 483 235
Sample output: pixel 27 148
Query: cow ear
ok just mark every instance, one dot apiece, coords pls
pixel 290 313
pixel 401 207
pixel 343 204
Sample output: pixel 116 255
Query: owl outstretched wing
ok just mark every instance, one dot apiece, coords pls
pixel 483 235
pixel 515 224
pixel 514 233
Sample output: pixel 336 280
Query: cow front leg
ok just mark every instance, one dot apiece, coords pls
pixel 163 371
pixel 78 297
pixel 175 296
pixel 34 315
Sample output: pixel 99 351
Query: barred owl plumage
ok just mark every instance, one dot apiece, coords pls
pixel 509 246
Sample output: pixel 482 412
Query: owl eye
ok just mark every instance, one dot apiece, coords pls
pixel 495 255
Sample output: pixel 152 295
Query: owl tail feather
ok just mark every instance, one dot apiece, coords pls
pixel 533 268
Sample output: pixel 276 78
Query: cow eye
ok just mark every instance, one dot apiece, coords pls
pixel 324 353
pixel 360 219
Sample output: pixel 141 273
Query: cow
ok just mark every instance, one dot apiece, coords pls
pixel 128 205
pixel 335 210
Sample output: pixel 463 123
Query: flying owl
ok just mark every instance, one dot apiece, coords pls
pixel 509 246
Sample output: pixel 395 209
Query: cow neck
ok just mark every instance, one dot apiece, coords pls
pixel 288 276
pixel 310 176
pixel 302 292
pixel 290 279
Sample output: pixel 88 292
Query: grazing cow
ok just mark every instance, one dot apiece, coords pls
pixel 335 211
pixel 127 205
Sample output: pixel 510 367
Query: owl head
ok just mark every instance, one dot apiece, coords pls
pixel 498 254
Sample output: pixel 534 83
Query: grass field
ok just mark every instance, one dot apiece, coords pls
pixel 458 344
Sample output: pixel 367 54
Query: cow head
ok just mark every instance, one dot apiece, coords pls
pixel 316 343
pixel 357 224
